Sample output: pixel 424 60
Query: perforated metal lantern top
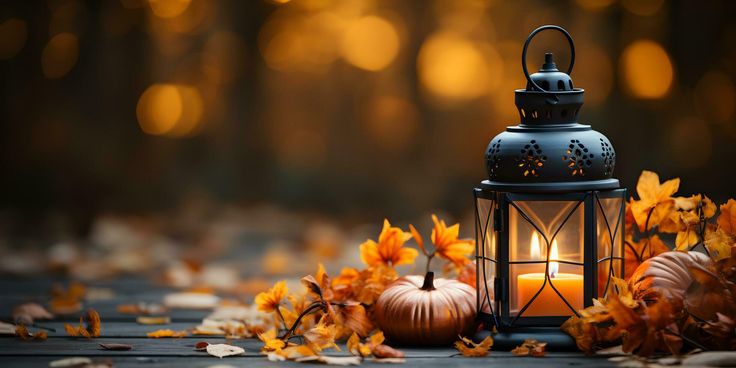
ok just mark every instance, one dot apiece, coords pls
pixel 549 151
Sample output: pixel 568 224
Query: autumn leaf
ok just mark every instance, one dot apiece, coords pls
pixel 321 336
pixel 270 300
pixel 719 244
pixel 22 332
pixel 727 219
pixel 382 351
pixel 447 245
pixel 89 325
pixel 166 333
pixel 389 250
pixel 67 300
pixel 223 350
pixel 153 320
pixel 116 346
pixel 654 198
pixel 358 348
pixel 271 342
pixel 637 252
pixel 29 312
pixel 470 349
pixel 530 347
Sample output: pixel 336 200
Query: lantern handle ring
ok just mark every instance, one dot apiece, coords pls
pixel 529 40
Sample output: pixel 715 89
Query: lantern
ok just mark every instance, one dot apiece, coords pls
pixel 550 217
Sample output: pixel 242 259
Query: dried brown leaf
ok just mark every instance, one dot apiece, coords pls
pixel 116 346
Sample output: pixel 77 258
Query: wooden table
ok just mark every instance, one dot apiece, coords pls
pixel 147 352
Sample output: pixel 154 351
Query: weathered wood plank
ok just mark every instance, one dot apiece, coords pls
pixel 494 360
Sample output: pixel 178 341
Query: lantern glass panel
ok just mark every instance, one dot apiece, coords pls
pixel 486 253
pixel 536 229
pixel 609 230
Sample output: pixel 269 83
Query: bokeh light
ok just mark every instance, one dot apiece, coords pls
pixel 391 122
pixel 643 7
pixel 370 43
pixel 690 142
pixel 593 72
pixel 454 67
pixel 13 35
pixel 715 96
pixel 594 4
pixel 168 8
pixel 223 57
pixel 60 55
pixel 170 109
pixel 646 69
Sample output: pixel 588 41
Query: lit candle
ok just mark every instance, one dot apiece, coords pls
pixel 548 303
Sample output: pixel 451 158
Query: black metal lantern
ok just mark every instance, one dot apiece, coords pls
pixel 550 217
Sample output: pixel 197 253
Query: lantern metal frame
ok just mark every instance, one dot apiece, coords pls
pixel 495 223
pixel 523 164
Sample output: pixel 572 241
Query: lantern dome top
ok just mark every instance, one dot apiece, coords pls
pixel 549 151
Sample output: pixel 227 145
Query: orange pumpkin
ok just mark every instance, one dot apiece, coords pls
pixel 417 310
pixel 667 272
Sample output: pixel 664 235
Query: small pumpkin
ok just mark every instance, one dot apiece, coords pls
pixel 668 272
pixel 416 310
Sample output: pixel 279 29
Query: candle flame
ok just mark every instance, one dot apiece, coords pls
pixel 554 267
pixel 535 250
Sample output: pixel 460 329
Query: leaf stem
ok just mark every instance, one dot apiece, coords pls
pixel 298 320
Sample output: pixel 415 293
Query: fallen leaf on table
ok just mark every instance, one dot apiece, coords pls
pixel 116 346
pixel 530 347
pixel 385 351
pixel 389 360
pixel 470 349
pixel 142 308
pixel 29 312
pixel 190 300
pixel 70 362
pixel 201 346
pixel 166 333
pixel 89 325
pixel 67 301
pixel 159 320
pixel 271 342
pixel 351 360
pixel 7 329
pixel 223 350
pixel 22 332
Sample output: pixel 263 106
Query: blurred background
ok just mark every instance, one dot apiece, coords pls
pixel 128 119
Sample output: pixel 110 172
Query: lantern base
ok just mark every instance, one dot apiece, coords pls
pixel 506 340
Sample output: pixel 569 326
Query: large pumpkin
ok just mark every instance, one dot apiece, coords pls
pixel 667 272
pixel 417 310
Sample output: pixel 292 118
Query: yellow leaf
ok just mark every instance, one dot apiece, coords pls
pixel 470 349
pixel 389 250
pixel 271 342
pixel 447 245
pixel 686 239
pixel 269 300
pixel 321 336
pixel 166 333
pixel 719 244
pixel 654 197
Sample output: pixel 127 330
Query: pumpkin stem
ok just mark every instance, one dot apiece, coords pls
pixel 428 281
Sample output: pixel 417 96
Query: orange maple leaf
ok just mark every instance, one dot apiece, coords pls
pixel 468 348
pixel 389 250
